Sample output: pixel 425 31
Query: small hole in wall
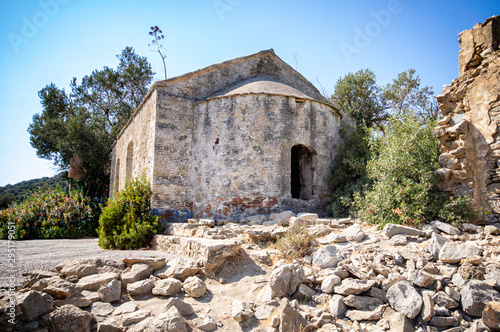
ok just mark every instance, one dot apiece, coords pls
pixel 299 101
pixel 216 143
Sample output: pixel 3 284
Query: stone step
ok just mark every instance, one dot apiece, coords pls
pixel 210 253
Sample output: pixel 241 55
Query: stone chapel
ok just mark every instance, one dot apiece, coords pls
pixel 245 136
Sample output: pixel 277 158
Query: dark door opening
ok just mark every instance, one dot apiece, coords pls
pixel 301 172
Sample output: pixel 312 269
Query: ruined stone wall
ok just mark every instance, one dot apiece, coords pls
pixel 242 151
pixel 468 134
pixel 133 152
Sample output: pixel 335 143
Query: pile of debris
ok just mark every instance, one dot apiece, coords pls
pixel 356 278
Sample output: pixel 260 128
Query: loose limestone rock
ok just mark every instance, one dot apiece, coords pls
pixel 475 295
pixel 194 286
pixel 102 309
pixel 444 300
pixel 428 307
pixel 241 311
pixel 167 287
pixel 329 282
pixel 206 323
pixel 405 299
pixel 452 252
pixel 284 280
pixel 155 262
pixel 76 268
pixel 436 243
pixel 110 292
pixel 280 219
pixel 326 257
pixel 139 271
pixel 60 289
pixel 184 308
pixel 445 227
pixel 491 316
pixel 95 281
pixel 179 268
pixel 354 233
pixel 308 218
pixel 304 293
pixel 392 229
pixel 362 302
pixel 69 318
pixel 141 287
pixel 290 319
pixel 34 303
pixel 135 317
pixel 350 286
pixel 364 315
pixel 399 240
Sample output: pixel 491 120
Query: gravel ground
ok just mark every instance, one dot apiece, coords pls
pixel 32 255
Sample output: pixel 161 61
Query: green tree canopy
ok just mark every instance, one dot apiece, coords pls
pixel 77 130
pixel 405 97
pixel 359 96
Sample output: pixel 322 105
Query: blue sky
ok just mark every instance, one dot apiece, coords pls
pixel 55 40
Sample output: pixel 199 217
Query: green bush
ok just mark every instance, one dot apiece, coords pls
pixel 349 175
pixel 126 222
pixel 295 243
pixel 457 210
pixel 401 170
pixel 50 214
pixel 404 187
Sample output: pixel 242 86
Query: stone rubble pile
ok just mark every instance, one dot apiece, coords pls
pixel 356 278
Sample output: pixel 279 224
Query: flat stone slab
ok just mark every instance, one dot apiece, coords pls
pixel 211 254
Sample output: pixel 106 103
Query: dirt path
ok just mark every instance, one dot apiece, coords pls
pixel 32 255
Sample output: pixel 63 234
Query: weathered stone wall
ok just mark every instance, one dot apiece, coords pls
pixel 173 158
pixel 137 142
pixel 468 133
pixel 242 151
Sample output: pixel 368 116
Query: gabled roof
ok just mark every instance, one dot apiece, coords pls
pixel 251 73
pixel 205 82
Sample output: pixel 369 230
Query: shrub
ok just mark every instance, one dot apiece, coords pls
pixel 50 214
pixel 295 243
pixel 126 222
pixel 349 175
pixel 401 170
pixel 404 187
pixel 457 210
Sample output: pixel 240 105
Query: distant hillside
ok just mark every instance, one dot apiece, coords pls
pixel 22 189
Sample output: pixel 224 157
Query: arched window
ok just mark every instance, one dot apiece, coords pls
pixel 301 181
pixel 130 158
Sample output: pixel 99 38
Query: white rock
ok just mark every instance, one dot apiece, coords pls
pixel 329 282
pixel 327 257
pixel 405 299
pixel 194 286
pixel 241 311
pixel 445 227
pixel 141 287
pixel 452 252
pixel 354 233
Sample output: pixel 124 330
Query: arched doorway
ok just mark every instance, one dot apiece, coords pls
pixel 301 172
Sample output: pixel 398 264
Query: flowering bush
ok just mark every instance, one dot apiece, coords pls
pixel 50 214
pixel 126 222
